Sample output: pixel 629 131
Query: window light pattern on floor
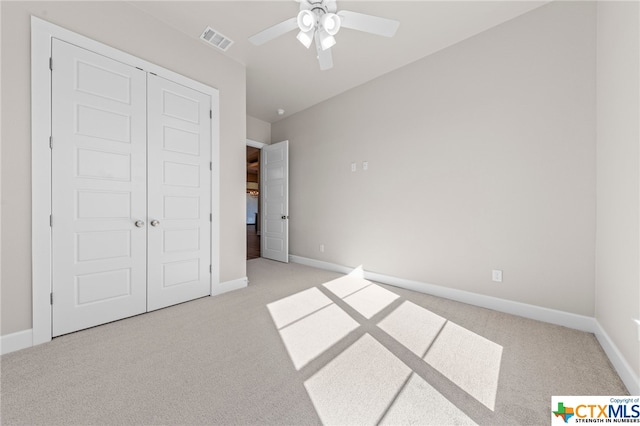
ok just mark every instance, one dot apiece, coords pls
pixel 310 323
pixel 366 383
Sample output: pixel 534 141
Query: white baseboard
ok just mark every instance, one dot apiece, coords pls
pixel 539 313
pixel 16 341
pixel 566 319
pixel 320 264
pixel 579 322
pixel 626 373
pixel 229 286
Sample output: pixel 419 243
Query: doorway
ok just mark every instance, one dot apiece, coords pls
pixel 271 224
pixel 253 202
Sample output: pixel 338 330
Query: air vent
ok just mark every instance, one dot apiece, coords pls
pixel 216 39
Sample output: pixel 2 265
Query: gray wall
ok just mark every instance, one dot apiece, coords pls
pixel 124 27
pixel 618 172
pixel 258 130
pixel 481 157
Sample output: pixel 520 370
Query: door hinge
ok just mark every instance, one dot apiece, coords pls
pixel 51 298
pixel 50 142
pixel 210 217
pixel 51 63
pixel 210 269
pixel 210 165
pixel 50 220
pixel 210 113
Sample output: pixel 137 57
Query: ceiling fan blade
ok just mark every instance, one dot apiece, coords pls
pixel 368 23
pixel 324 57
pixel 273 32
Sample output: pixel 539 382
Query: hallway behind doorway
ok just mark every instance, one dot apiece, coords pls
pixel 253 242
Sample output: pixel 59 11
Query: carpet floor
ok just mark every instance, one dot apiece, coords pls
pixel 305 346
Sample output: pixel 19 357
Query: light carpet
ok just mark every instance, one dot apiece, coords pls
pixel 306 346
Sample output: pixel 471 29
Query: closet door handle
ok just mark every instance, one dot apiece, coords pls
pixel 139 223
pixel 155 222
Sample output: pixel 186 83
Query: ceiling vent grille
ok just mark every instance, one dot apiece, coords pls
pixel 216 39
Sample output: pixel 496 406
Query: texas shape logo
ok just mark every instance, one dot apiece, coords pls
pixel 564 412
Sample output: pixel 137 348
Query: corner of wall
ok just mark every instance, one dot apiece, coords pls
pixel 258 130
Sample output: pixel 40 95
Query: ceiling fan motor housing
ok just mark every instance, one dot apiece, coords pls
pixel 319 7
pixel 319 15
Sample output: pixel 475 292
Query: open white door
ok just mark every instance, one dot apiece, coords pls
pixel 275 201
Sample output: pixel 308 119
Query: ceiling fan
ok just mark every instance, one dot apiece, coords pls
pixel 320 21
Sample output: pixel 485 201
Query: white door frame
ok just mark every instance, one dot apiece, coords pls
pixel 255 144
pixel 41 34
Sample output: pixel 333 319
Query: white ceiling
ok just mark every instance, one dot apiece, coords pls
pixel 283 74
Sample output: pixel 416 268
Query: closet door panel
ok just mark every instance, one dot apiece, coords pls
pixel 179 193
pixel 98 189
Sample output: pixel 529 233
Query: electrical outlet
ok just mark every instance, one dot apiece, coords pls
pixel 321 248
pixel 365 165
pixel 354 167
pixel 496 275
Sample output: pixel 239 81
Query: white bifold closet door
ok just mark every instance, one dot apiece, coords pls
pixel 99 128
pixel 179 193
pixel 130 190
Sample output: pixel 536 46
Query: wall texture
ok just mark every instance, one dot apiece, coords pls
pixel 618 176
pixel 480 157
pixel 258 130
pixel 119 25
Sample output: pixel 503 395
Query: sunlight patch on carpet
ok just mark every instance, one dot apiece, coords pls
pixel 299 305
pixel 413 326
pixel 420 404
pixel 468 360
pixel 367 383
pixel 370 300
pixel 344 286
pixel 314 334
pixel 359 385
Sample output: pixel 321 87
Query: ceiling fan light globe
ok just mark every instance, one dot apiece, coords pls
pixel 331 23
pixel 306 20
pixel 305 38
pixel 326 40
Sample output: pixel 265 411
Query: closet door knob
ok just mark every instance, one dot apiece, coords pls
pixel 139 223
pixel 155 222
